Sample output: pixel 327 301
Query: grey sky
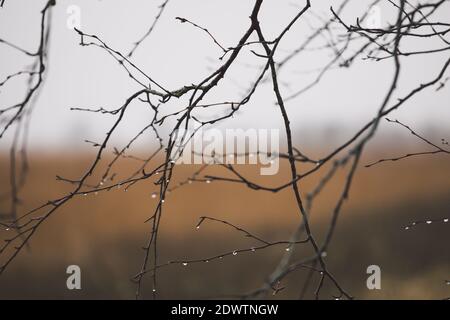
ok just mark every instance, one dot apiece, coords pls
pixel 178 54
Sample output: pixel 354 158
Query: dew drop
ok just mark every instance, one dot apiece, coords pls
pixel 446 220
pixel 288 249
pixel 253 249
pixel 208 181
pixel 185 264
pixel 324 254
pixel 429 221
pixel 153 195
pixel 84 194
pixel 197 227
pixel 154 290
pixel 234 253
pixel 406 228
pixel 7 229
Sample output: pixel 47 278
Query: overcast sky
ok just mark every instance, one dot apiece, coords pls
pixel 178 54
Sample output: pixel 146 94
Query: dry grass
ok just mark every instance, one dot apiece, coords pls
pixel 103 234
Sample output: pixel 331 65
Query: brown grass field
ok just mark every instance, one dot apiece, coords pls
pixel 103 234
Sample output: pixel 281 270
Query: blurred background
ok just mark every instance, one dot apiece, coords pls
pixel 104 233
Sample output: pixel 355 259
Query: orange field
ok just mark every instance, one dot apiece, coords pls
pixel 104 233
